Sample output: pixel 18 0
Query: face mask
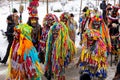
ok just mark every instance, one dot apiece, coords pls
pixel 96 24
pixel 55 34
pixel 16 35
pixel 33 21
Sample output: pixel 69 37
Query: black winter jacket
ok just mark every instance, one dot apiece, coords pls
pixel 103 5
pixel 9 32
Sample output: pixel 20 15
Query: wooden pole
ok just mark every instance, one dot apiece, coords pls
pixel 80 7
pixel 21 1
pixel 96 2
pixel 114 2
pixel 25 4
pixel 79 19
pixel 12 4
pixel 21 8
pixel 107 1
pixel 9 7
pixel 47 6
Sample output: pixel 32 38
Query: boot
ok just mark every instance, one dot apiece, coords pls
pixel 1 61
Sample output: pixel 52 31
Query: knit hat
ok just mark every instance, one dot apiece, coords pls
pixel 71 15
pixel 85 9
pixel 14 10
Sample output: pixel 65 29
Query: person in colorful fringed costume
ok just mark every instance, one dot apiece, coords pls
pixel 48 21
pixel 66 18
pixel 96 22
pixel 85 16
pixel 24 62
pixel 59 51
pixel 93 57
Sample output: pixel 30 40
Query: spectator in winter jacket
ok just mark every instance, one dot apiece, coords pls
pixel 9 34
pixel 103 6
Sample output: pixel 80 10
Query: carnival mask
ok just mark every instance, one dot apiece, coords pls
pixel 16 34
pixel 96 24
pixel 33 22
pixel 55 34
pixel 90 41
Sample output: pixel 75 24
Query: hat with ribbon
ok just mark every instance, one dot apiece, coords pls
pixel 49 20
pixel 33 8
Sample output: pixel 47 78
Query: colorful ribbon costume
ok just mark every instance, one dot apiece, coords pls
pixel 48 21
pixel 93 58
pixel 97 23
pixel 65 17
pixel 24 62
pixel 59 50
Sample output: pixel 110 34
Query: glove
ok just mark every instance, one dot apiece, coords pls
pixel 3 33
pixel 78 33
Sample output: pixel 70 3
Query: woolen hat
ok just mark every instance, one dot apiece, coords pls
pixel 14 10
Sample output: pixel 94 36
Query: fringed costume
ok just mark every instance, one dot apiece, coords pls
pixel 65 17
pixel 24 62
pixel 59 50
pixel 93 57
pixel 48 21
pixel 97 23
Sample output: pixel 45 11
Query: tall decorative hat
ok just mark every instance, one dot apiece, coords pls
pixel 64 17
pixel 49 20
pixel 32 9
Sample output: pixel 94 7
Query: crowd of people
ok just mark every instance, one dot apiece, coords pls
pixel 53 43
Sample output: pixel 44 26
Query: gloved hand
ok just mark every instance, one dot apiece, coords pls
pixel 78 33
pixel 3 33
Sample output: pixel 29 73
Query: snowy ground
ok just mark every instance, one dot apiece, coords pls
pixel 72 72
